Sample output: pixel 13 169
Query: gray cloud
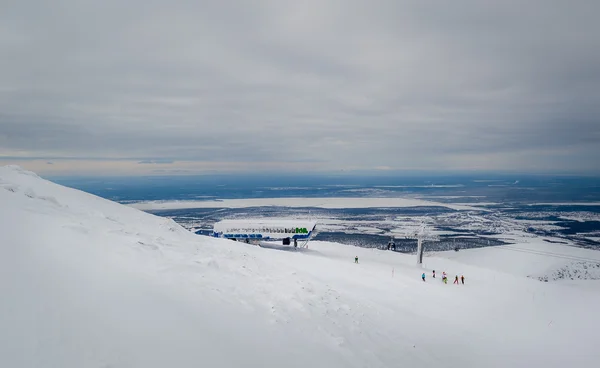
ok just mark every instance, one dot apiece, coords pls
pixel 338 84
pixel 159 161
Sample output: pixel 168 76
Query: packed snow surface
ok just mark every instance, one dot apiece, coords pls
pixel 91 283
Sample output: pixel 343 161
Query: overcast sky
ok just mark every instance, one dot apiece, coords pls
pixel 144 86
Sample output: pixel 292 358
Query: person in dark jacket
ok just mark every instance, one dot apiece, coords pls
pixel 462 279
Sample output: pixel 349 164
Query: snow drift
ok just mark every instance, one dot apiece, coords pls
pixel 90 283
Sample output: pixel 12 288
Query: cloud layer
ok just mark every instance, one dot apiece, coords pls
pixel 311 85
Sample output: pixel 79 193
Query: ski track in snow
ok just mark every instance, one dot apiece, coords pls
pixel 91 283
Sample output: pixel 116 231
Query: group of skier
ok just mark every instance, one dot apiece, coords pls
pixel 445 278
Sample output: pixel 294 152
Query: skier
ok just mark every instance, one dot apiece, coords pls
pixel 462 278
pixel 445 279
pixel 434 274
pixel 443 275
pixel 423 276
pixel 456 280
pixel 356 259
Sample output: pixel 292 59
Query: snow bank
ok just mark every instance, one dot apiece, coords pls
pixel 90 283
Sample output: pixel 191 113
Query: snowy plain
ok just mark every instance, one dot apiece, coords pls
pixel 91 283
pixel 334 202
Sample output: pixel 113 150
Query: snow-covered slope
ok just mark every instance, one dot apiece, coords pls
pixel 535 258
pixel 90 283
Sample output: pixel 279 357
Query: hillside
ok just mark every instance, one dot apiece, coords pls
pixel 90 283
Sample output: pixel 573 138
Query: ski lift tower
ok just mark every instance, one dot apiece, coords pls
pixel 422 233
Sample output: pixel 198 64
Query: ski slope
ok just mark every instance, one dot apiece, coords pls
pixel 90 283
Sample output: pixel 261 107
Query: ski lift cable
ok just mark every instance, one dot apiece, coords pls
pixel 548 254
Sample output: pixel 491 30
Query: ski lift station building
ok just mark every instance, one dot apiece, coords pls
pixel 286 231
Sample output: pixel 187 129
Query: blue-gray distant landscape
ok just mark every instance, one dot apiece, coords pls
pixel 562 208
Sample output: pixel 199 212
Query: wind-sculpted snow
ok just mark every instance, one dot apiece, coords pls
pixel 91 283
